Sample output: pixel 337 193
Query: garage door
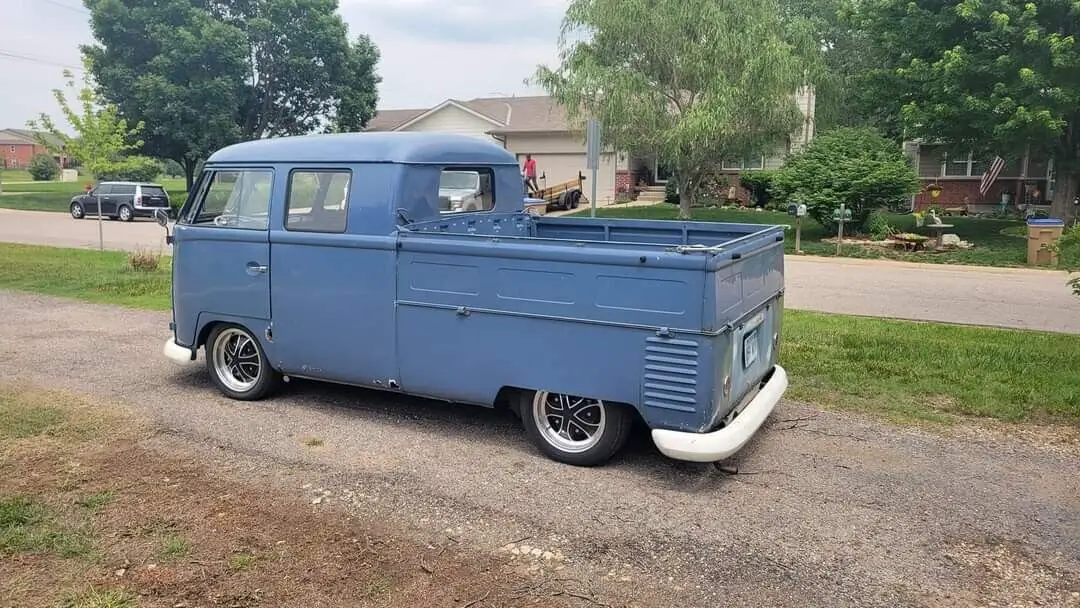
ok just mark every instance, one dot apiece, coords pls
pixel 558 168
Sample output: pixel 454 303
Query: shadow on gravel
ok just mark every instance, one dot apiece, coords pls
pixel 497 427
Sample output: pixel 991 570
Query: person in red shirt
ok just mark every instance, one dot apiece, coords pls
pixel 530 172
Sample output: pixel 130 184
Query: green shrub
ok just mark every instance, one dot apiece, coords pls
pixel 878 226
pixel 1068 250
pixel 137 169
pixel 671 193
pixel 43 168
pixel 759 184
pixel 854 166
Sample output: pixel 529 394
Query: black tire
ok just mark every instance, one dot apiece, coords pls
pixel 575 199
pixel 77 210
pixel 564 201
pixel 259 383
pixel 613 428
pixel 123 211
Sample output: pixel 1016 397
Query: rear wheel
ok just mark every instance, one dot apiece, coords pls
pixel 125 213
pixel 574 430
pixel 238 365
pixel 575 199
pixel 77 211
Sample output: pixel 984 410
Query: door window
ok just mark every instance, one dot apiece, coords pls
pixel 318 201
pixel 123 189
pixel 236 199
pixel 103 190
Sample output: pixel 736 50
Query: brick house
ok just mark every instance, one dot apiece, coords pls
pixel 19 146
pixel 538 126
pixel 959 176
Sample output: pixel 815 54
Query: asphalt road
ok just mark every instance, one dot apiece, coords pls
pixel 826 509
pixel 1020 298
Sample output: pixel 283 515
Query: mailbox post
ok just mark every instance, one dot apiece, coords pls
pixel 840 216
pixel 798 211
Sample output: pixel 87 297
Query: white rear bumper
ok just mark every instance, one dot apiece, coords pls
pixel 177 353
pixel 722 443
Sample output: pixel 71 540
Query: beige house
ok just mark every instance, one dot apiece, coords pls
pixel 538 126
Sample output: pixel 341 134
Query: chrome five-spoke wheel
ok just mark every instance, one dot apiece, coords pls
pixel 237 363
pixel 573 429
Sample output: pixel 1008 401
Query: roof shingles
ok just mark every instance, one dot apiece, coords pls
pixel 516 114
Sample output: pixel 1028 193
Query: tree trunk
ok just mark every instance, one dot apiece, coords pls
pixel 1066 189
pixel 686 196
pixel 189 171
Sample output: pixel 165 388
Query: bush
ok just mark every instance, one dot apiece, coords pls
pixel 1068 250
pixel 173 168
pixel 759 184
pixel 142 260
pixel 136 169
pixel 854 166
pixel 878 226
pixel 43 168
pixel 671 193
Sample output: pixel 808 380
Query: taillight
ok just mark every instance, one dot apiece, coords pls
pixel 138 200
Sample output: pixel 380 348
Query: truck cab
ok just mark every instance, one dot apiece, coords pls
pixel 336 258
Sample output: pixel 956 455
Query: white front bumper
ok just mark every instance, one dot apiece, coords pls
pixel 722 443
pixel 177 353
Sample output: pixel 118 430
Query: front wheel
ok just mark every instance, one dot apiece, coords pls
pixel 77 211
pixel 238 365
pixel 574 430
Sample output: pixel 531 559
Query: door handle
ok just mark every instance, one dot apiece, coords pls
pixel 254 268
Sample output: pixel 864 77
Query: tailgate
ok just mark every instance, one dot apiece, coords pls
pixel 154 197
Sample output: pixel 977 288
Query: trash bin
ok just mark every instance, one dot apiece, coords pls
pixel 1042 232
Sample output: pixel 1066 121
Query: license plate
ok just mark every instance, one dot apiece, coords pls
pixel 750 349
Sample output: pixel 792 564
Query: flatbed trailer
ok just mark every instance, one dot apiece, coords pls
pixel 562 196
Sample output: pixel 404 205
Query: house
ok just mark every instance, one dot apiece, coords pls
pixel 19 146
pixel 538 126
pixel 958 177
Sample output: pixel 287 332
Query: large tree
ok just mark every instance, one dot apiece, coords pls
pixel 203 74
pixel 997 77
pixel 692 81
pixel 173 67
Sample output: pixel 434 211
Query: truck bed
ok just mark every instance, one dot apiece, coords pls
pixel 618 235
pixel 653 305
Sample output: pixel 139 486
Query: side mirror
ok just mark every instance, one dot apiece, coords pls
pixel 162 218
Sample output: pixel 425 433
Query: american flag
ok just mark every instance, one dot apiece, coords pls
pixel 991 174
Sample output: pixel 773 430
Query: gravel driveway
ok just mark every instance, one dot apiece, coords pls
pixel 826 510
pixel 1021 298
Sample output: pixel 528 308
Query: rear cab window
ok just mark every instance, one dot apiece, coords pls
pixel 233 198
pixel 153 191
pixel 466 190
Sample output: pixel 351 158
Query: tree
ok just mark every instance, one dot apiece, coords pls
pixel 203 74
pixel 303 74
pixel 993 77
pixel 692 81
pixel 43 168
pixel 851 165
pixel 174 67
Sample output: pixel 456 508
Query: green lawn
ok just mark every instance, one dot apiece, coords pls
pixel 898 369
pixel 992 247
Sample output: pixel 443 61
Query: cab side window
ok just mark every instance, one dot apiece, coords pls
pixel 124 190
pixel 236 199
pixel 318 200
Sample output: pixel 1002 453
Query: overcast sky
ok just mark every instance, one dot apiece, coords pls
pixel 431 49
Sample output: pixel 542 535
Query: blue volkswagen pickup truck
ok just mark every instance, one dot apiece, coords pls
pixel 329 257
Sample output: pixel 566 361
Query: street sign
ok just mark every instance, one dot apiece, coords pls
pixel 592 144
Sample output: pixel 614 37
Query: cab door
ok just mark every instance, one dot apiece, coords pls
pixel 221 253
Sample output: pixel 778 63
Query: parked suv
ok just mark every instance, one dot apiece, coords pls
pixel 121 200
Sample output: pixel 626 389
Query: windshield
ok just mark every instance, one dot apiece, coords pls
pixel 459 180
